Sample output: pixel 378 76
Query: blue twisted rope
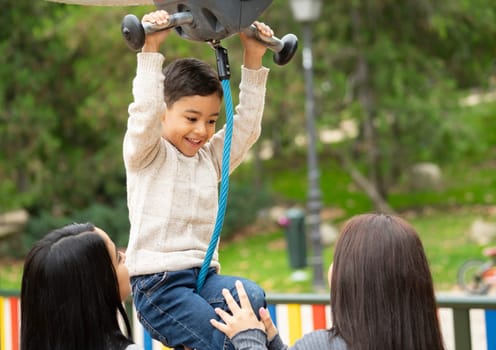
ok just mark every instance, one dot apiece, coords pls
pixel 224 186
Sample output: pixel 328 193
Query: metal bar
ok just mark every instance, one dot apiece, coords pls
pixel 314 205
pixel 487 302
pixel 461 326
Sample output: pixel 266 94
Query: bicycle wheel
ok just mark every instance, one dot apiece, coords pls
pixel 469 277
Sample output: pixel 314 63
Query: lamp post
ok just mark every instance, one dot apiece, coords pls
pixel 305 12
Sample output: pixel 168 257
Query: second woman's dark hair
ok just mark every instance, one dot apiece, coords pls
pixel 70 296
pixel 382 295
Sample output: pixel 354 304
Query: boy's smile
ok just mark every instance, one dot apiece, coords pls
pixel 190 122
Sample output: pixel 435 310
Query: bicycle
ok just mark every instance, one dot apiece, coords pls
pixel 477 276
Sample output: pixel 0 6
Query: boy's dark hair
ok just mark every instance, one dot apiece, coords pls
pixel 189 77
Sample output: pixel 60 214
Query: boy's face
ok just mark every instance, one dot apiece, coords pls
pixel 190 122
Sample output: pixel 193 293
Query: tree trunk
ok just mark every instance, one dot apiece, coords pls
pixel 380 204
pixel 365 97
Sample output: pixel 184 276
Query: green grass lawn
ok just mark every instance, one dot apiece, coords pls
pixel 262 254
pixel 10 274
pixel 263 258
pixel 442 218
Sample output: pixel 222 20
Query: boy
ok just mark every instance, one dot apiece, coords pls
pixel 173 165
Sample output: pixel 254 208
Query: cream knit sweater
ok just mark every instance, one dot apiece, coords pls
pixel 172 199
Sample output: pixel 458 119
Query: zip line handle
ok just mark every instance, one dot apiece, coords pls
pixel 134 33
pixel 284 48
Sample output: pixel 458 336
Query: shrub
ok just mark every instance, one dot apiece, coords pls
pixel 112 219
pixel 244 202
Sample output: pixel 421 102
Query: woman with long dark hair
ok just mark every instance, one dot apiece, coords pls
pixel 73 285
pixel 382 295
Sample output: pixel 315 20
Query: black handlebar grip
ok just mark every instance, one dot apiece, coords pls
pixel 134 33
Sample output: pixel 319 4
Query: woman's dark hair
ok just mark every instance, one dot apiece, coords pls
pixel 190 77
pixel 382 295
pixel 70 295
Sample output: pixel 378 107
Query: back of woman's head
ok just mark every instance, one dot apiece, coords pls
pixel 382 295
pixel 69 293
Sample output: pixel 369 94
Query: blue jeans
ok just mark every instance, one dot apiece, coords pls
pixel 172 312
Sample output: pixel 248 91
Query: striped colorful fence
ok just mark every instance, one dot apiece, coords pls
pixel 467 322
pixel 9 322
pixel 292 320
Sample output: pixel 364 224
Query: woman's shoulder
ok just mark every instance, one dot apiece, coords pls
pixel 322 339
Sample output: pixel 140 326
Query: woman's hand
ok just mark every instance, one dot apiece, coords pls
pixel 270 328
pixel 153 40
pixel 242 317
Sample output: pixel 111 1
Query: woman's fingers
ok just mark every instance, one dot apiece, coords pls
pixel 239 317
pixel 231 303
pixel 219 325
pixel 243 297
pixel 222 314
pixel 270 329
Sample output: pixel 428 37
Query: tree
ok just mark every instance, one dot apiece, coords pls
pixel 397 68
pixel 65 86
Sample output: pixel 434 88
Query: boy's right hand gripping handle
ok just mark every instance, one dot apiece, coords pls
pixel 134 33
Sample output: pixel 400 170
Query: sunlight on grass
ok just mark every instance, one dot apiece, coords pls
pixel 10 275
pixel 447 244
pixel 263 257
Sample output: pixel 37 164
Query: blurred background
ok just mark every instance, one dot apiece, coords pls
pixel 386 106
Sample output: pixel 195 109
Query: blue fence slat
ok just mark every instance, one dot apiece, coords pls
pixel 147 340
pixel 491 329
pixel 272 312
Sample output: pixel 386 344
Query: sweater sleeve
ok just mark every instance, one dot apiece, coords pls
pixel 255 339
pixel 319 339
pixel 277 344
pixel 250 339
pixel 143 134
pixel 247 119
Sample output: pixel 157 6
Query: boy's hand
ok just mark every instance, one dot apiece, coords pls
pixel 153 40
pixel 253 48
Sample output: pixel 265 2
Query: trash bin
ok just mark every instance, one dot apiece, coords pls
pixel 295 238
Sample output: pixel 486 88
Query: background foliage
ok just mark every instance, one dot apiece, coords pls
pixel 396 69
